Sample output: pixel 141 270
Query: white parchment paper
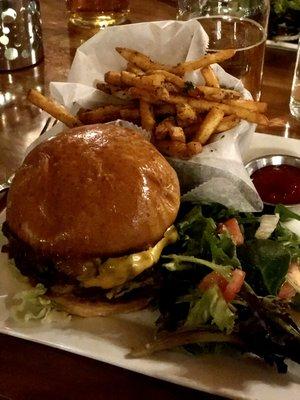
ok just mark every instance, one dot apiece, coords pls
pixel 215 175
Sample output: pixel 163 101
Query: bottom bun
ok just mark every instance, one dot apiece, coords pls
pixel 84 308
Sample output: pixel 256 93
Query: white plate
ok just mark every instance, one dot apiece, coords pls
pixel 109 339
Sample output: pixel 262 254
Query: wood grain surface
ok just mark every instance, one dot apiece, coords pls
pixel 32 371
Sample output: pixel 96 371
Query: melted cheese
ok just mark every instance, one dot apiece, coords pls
pixel 116 271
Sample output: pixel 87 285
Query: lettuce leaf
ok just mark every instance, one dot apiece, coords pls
pixel 180 263
pixel 285 214
pixel 199 238
pixel 289 240
pixel 32 304
pixel 281 6
pixel 266 263
pixel 211 307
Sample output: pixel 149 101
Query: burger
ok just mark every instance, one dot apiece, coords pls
pixel 88 215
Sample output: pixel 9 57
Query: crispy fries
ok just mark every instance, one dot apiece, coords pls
pixel 140 60
pixel 113 78
pixel 228 122
pixel 210 77
pixel 204 105
pixel 214 94
pixel 164 109
pixel 202 62
pixel 130 114
pixel 51 107
pixel 147 117
pixel 143 81
pixel 186 115
pixel 256 106
pixel 104 114
pixel 180 116
pixel 155 96
pixel 209 125
pixel 167 128
pixel 134 69
pixel 172 78
pixel 177 149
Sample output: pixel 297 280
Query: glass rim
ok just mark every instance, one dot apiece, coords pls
pixel 232 17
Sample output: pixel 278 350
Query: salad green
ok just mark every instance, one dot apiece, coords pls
pixel 210 282
pixel 281 6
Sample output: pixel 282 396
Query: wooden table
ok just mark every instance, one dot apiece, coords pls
pixel 31 371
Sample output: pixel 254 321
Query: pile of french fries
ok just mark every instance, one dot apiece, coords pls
pixel 181 117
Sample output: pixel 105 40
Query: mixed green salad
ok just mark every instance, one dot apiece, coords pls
pixel 284 21
pixel 230 281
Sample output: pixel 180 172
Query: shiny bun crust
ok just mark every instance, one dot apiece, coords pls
pixel 99 190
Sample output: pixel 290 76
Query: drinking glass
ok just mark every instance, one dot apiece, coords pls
pixel 20 34
pixel 238 24
pixel 295 92
pixel 97 13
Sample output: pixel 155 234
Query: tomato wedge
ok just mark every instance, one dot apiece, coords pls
pixel 213 278
pixel 232 227
pixel 234 285
pixel 228 289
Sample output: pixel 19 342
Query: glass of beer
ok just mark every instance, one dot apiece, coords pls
pixel 97 13
pixel 233 24
pixel 295 90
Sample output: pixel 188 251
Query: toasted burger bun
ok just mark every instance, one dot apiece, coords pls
pixel 85 308
pixel 98 190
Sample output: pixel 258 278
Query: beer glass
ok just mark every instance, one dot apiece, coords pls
pixel 97 13
pixel 237 24
pixel 295 91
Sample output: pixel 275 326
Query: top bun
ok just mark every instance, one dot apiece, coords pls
pixel 97 190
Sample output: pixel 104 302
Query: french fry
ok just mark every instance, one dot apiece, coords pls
pixel 164 109
pixel 103 114
pixel 177 149
pixel 147 117
pixel 202 62
pixel 208 126
pixel 251 105
pixel 204 105
pixel 140 60
pixel 143 81
pixel 172 78
pixel 228 122
pixel 104 87
pixel 191 130
pixel 186 115
pixel 130 114
pixel 167 128
pixel 215 94
pixel 171 88
pixel 134 69
pixel 210 77
pixel 154 96
pixel 51 107
pixel 113 78
pixel 120 93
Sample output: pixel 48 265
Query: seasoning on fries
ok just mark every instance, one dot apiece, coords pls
pixel 209 125
pixel 51 107
pixel 180 116
pixel 210 77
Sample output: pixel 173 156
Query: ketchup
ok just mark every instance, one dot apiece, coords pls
pixel 278 184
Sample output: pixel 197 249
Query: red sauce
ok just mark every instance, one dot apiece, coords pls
pixel 278 184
